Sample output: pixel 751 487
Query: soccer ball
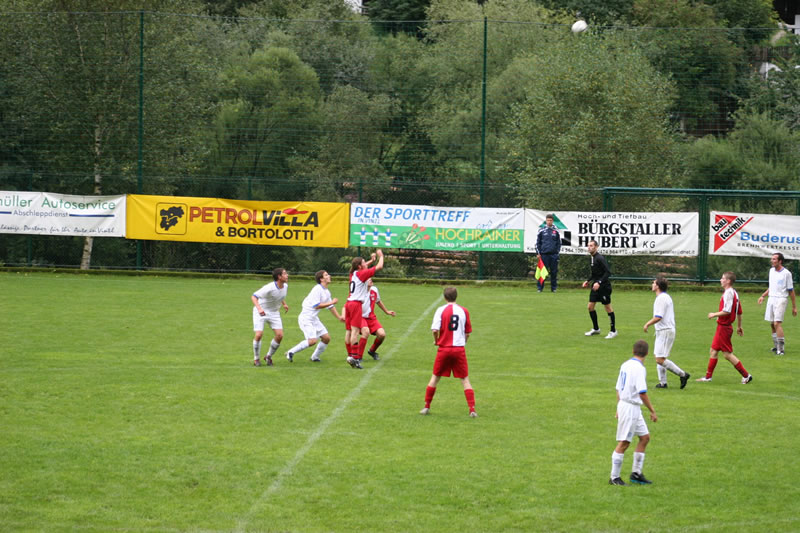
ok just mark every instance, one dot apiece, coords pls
pixel 579 26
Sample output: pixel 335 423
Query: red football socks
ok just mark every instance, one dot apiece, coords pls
pixel 429 392
pixel 470 395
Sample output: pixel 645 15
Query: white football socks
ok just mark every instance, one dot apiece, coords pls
pixel 320 348
pixel 638 462
pixel 616 464
pixel 662 373
pixel 301 346
pixel 256 349
pixel 273 347
pixel 672 367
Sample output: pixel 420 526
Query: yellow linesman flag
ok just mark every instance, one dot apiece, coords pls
pixel 541 271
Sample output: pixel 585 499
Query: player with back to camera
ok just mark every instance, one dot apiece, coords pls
pixel 601 290
pixel 312 327
pixel 451 328
pixel 360 273
pixel 267 302
pixel 664 321
pixel 780 289
pixel 730 310
pixel 631 394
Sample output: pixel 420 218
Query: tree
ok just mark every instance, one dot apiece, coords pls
pixel 761 153
pixel 268 111
pixel 689 41
pixel 346 163
pixel 395 16
pixel 73 81
pixel 595 114
pixel 603 12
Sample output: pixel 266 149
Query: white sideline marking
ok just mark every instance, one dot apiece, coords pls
pixel 315 436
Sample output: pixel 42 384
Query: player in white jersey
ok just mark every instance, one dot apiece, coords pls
pixel 631 394
pixel 779 291
pixel 664 321
pixel 267 302
pixel 313 329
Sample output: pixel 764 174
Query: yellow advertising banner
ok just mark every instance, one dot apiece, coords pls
pixel 175 218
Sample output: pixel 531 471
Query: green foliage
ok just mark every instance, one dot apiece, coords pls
pixel 345 165
pixel 779 95
pixel 602 12
pixel 699 56
pixel 761 153
pixel 267 101
pixel 594 115
pixel 758 16
pixel 396 16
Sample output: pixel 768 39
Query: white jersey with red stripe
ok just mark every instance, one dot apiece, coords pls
pixel 359 290
pixel 453 324
pixel 369 306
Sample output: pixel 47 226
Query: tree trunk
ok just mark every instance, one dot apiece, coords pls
pixel 86 258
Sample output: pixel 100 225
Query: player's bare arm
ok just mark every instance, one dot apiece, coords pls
pixel 646 400
pixel 651 322
pixel 383 308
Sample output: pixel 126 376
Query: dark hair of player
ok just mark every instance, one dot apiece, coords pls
pixel 355 264
pixel 640 348
pixel 450 294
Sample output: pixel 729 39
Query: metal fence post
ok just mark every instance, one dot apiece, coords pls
pixel 140 158
pixel 483 132
pixel 702 260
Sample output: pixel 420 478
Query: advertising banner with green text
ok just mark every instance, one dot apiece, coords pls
pixel 457 229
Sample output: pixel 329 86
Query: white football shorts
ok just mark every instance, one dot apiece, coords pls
pixel 312 328
pixel 665 338
pixel 273 319
pixel 630 421
pixel 776 309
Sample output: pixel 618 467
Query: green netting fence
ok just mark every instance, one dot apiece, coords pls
pixel 469 113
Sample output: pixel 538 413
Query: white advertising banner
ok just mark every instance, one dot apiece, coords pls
pixel 619 233
pixel 456 229
pixel 754 234
pixel 43 213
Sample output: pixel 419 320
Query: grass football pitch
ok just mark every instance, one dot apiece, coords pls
pixel 132 404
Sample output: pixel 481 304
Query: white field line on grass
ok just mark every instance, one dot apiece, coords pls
pixel 288 469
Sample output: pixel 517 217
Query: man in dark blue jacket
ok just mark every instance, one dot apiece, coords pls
pixel 548 245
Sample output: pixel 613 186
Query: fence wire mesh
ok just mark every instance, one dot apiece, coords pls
pixel 465 113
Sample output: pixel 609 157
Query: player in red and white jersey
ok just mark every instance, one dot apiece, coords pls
pixel 360 273
pixel 374 327
pixel 730 309
pixel 451 328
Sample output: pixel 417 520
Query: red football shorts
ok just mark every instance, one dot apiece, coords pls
pixel 451 359
pixel 353 316
pixel 722 339
pixel 372 324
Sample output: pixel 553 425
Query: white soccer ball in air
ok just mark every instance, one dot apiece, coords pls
pixel 579 26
